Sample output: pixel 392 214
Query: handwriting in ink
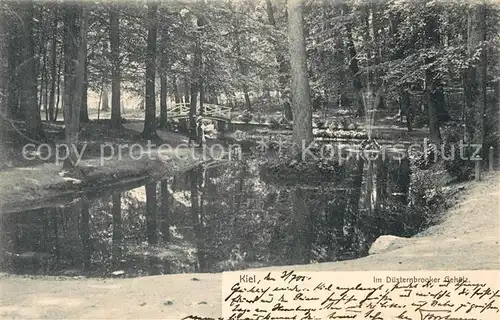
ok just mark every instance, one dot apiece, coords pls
pixel 305 295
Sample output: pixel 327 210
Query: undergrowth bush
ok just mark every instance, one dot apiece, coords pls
pixel 247 117
pixel 455 162
pixel 275 124
pixel 427 199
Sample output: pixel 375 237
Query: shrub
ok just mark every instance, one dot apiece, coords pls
pixel 332 126
pixel 427 199
pixel 320 123
pixel 459 168
pixel 419 121
pixel 275 124
pixel 344 123
pixel 247 117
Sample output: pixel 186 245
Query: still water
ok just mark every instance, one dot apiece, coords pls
pixel 225 217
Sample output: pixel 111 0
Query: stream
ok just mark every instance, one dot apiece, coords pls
pixel 225 217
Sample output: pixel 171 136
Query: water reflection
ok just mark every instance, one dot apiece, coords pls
pixel 151 207
pixel 85 235
pixel 213 219
pixel 117 237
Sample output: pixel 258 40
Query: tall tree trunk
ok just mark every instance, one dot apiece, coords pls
pixel 53 67
pixel 43 80
pixel 339 58
pixel 202 90
pixel 244 72
pixel 481 80
pixel 431 83
pixel 475 82
pixel 379 48
pixel 164 62
pixel 114 39
pixel 5 112
pixel 149 132
pixel 40 58
pixel 406 107
pixel 176 89
pixel 430 92
pixel 151 215
pixel 195 87
pixel 195 80
pixel 248 104
pixel 282 67
pixel 105 78
pixel 46 92
pixel 84 110
pixel 14 74
pixel 301 101
pixel 186 90
pixel 242 65
pixel 365 12
pixel 202 93
pixel 4 73
pixel 70 16
pixel 356 81
pixel 105 94
pixel 34 127
pixel 58 94
pixel 163 101
pixel 74 76
pixel 163 80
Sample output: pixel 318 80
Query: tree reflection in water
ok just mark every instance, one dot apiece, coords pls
pixel 117 236
pixel 213 219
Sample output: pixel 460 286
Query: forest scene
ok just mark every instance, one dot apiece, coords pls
pixel 142 138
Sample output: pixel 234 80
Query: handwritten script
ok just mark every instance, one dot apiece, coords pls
pixel 422 295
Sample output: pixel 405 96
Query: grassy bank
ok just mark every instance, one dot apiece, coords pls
pixel 28 184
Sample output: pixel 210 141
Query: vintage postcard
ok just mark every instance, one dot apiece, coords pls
pixel 250 159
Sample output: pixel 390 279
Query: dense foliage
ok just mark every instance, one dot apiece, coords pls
pixel 382 45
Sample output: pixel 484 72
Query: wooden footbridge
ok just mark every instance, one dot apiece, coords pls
pixel 210 111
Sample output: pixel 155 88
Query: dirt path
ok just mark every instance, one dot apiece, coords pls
pixel 466 240
pixel 173 138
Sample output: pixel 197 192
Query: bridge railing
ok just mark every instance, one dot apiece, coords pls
pixel 181 110
pixel 178 110
pixel 217 111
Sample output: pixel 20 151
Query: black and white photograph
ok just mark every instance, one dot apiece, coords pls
pixel 149 148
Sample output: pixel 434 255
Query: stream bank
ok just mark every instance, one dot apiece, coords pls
pixel 28 184
pixel 32 187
